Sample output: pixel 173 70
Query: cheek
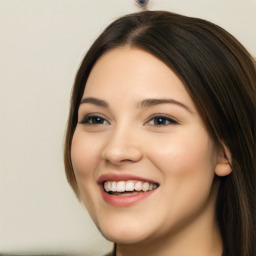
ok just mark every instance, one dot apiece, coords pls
pixel 185 153
pixel 84 159
pixel 83 155
pixel 187 166
pixel 186 161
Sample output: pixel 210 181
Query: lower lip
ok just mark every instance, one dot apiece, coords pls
pixel 124 201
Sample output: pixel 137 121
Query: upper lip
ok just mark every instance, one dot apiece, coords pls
pixel 122 177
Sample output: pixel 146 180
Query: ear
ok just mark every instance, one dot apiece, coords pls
pixel 224 163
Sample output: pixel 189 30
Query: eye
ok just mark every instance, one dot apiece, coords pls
pixel 94 120
pixel 161 121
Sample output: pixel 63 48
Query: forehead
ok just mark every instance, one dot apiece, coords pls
pixel 133 73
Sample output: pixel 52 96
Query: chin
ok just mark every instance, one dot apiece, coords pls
pixel 124 235
pixel 123 238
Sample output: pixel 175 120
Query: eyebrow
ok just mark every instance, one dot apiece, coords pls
pixel 147 103
pixel 95 101
pixel 153 102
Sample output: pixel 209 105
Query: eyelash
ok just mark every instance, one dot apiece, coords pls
pixel 98 120
pixel 162 120
pixel 90 120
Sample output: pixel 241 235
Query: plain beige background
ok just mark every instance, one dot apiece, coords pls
pixel 41 45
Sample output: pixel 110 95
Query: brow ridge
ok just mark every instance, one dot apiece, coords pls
pixel 147 103
pixel 95 101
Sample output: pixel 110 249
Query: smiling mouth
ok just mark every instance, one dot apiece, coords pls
pixel 128 188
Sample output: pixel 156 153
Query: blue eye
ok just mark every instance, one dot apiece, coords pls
pixel 94 120
pixel 161 121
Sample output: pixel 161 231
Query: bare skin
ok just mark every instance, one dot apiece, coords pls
pixel 136 118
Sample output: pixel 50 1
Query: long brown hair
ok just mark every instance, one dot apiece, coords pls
pixel 220 76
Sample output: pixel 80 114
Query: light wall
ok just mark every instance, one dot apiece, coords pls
pixel 41 45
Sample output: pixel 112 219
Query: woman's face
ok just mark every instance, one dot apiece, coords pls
pixel 140 135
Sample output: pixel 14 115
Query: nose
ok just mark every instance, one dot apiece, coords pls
pixel 122 146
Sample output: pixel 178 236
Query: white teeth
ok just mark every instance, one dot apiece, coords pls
pixel 106 186
pixel 109 186
pixel 120 186
pixel 138 186
pixel 113 186
pixel 130 185
pixel 145 186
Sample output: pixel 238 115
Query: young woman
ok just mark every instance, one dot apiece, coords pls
pixel 160 144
